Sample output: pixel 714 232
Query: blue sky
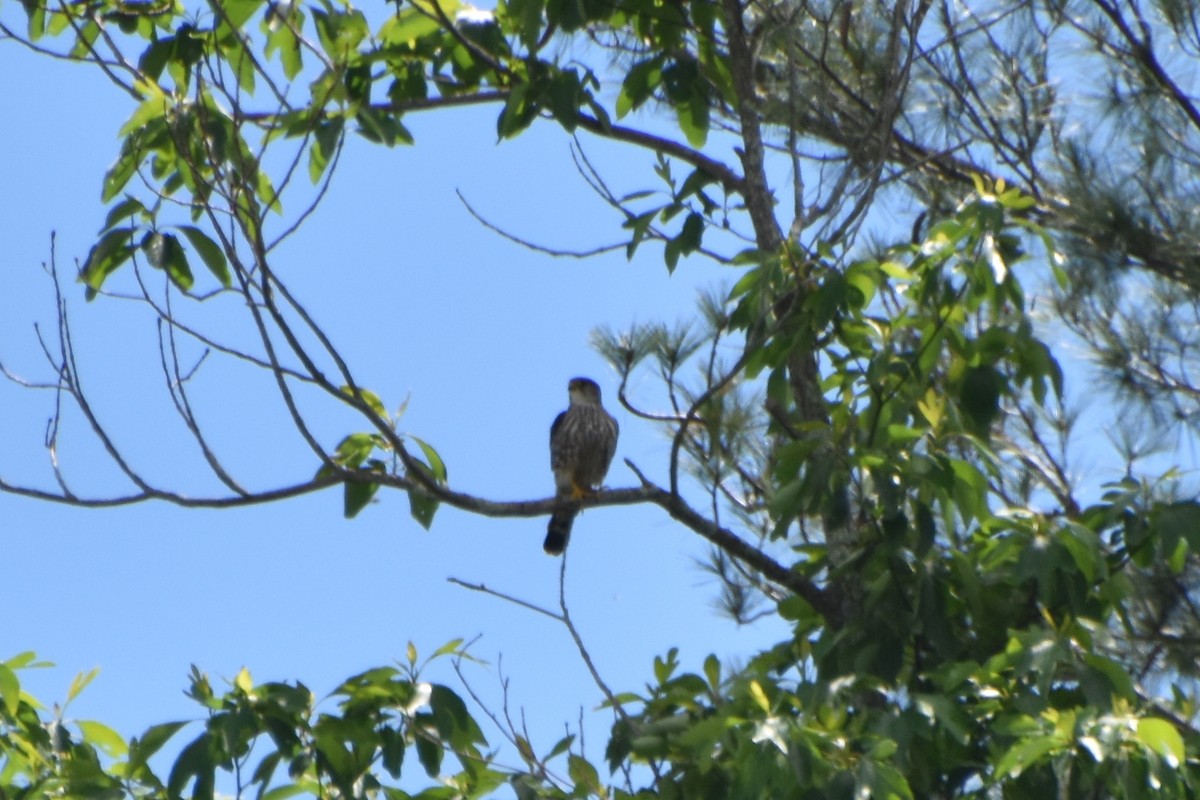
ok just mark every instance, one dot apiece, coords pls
pixel 478 334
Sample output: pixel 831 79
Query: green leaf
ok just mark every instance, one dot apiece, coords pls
pixel 528 14
pixel 85 39
pixel 1179 520
pixel 1026 753
pixel 429 753
pixel 356 495
pixel 10 690
pixel 357 80
pixel 1015 200
pixel 639 84
pixel 422 507
pixel 237 13
pixel 111 743
pixel 340 32
pixel 560 747
pixel 126 165
pixel 152 108
pixel 1177 558
pixel 409 25
pixel 454 723
pixel 520 109
pixel 902 435
pixel 210 253
pixel 280 26
pixel 124 210
pixel 979 397
pixel 382 127
pixel 970 489
pixel 691 234
pixel 451 647
pixel 24 659
pixel 326 138
pixel 1084 546
pixel 1115 677
pixel 862 281
pixel 164 252
pixel 712 671
pixel 946 714
pixel 371 399
pixel 149 743
pixel 880 781
pixel 671 251
pixel 583 775
pixel 564 97
pixel 1162 738
pixel 640 225
pixel 437 467
pixel 354 450
pixel 391 750
pixel 194 763
pixel 80 682
pixel 156 55
pixel 266 192
pixel 235 54
pixel 687 90
pixel 693 121
pixel 37 20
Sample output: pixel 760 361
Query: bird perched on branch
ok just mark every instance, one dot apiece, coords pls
pixel 583 440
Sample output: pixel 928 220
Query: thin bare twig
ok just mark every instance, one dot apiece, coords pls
pixel 534 246
pixel 479 587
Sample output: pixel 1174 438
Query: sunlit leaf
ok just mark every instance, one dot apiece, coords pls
pixel 124 210
pixel 407 26
pixel 287 791
pixel 237 13
pixel 210 253
pixel 368 397
pixel 119 173
pixel 1026 753
pixel 10 690
pixel 80 682
pixel 560 747
pixel 111 743
pixel 1163 738
pixel 437 467
pixel 583 774
pixel 877 779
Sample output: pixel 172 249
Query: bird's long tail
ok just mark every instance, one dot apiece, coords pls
pixel 559 530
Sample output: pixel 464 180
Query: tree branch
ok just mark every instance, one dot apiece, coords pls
pixel 730 180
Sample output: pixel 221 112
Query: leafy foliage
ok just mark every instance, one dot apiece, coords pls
pixel 267 738
pixel 965 622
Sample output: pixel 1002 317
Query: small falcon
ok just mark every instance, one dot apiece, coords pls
pixel 583 440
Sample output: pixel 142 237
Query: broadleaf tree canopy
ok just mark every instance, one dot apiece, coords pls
pixel 869 426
